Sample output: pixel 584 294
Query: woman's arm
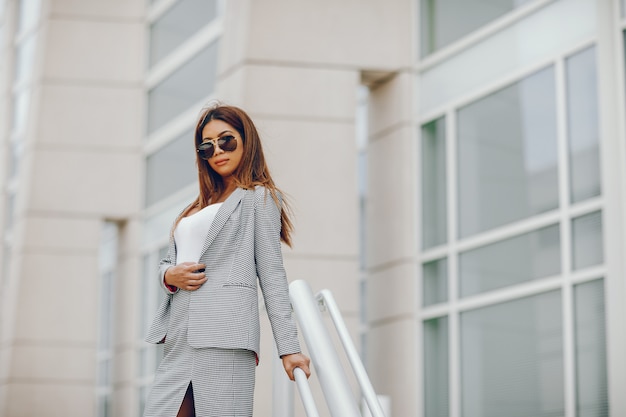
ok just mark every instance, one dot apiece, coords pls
pixel 271 273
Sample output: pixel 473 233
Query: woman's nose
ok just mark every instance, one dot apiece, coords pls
pixel 218 150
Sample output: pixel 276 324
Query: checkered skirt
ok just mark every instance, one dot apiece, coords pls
pixel 222 379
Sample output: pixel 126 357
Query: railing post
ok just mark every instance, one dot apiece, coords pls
pixel 333 380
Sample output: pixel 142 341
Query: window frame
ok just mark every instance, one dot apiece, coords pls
pixel 562 216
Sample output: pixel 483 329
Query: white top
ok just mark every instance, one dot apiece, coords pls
pixel 191 233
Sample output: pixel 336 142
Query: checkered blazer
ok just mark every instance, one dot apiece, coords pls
pixel 242 248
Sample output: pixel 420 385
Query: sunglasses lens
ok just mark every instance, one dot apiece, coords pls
pixel 206 150
pixel 227 143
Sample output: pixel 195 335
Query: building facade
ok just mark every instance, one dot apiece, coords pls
pixel 456 169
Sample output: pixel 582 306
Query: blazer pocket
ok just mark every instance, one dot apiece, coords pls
pixel 239 285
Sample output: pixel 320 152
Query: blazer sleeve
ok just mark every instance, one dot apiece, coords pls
pixel 271 273
pixel 168 261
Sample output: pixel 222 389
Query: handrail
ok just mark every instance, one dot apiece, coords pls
pixel 353 355
pixel 324 358
pixel 305 393
pixel 329 371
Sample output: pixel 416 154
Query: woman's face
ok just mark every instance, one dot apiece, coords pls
pixel 223 162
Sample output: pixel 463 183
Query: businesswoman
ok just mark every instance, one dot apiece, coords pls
pixel 224 243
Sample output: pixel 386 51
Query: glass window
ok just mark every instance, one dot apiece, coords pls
pixel 434 199
pixel 587 246
pixel 108 259
pixel 582 121
pixel 15 153
pixel 10 211
pixel 25 59
pixel 177 24
pixel 188 85
pixel 6 266
pixel 512 359
pixel 523 258
pixel 436 367
pixel 28 12
pixel 445 21
pixel 435 282
pixel 21 101
pixel 507 155
pixel 533 39
pixel 171 168
pixel 590 339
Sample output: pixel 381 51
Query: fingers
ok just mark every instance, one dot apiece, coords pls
pixel 296 360
pixel 194 284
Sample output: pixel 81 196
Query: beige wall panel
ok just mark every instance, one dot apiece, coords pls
pixel 315 164
pixel 125 365
pixel 123 9
pixel 5 364
pixel 357 33
pixel 298 92
pixel 96 50
pixel 56 364
pixel 390 104
pixel 392 365
pixel 391 205
pixel 56 234
pixel 101 184
pixel 232 88
pixel 392 292
pixel 90 116
pixel 125 401
pixel 340 276
pixel 127 298
pixel 57 299
pixel 50 400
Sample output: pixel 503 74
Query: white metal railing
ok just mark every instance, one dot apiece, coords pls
pixel 324 358
pixel 305 393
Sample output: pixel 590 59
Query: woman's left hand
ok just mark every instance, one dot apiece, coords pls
pixel 296 360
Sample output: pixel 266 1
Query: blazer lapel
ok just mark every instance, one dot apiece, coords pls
pixel 222 215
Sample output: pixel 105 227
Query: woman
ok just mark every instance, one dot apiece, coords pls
pixel 222 244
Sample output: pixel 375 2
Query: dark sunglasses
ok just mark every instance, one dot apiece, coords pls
pixel 226 143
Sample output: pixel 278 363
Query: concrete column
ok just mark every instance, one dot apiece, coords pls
pixel 81 165
pixel 295 67
pixel 392 302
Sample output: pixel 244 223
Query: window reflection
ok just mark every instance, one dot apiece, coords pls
pixel 507 155
pixel 435 282
pixel 445 21
pixel 436 391
pixel 21 102
pixel 188 85
pixel 512 359
pixel 25 57
pixel 582 121
pixel 177 24
pixel 28 14
pixel 590 339
pixel 587 244
pixel 434 189
pixel 170 168
pixel 523 258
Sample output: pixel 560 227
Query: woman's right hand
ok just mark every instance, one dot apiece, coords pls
pixel 187 276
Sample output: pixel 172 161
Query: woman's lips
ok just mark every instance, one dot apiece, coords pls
pixel 221 162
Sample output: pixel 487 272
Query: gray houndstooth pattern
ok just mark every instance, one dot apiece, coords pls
pixel 242 248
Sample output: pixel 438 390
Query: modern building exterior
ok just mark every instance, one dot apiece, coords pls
pixel 457 171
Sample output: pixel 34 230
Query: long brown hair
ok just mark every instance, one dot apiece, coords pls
pixel 252 169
